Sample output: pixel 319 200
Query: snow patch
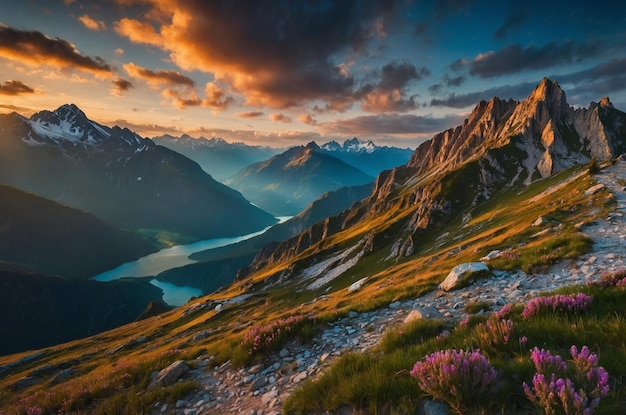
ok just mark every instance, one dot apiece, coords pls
pixel 331 268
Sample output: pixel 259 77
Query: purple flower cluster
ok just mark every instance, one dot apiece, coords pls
pixel 272 335
pixel 457 377
pixel 554 391
pixel 504 311
pixel 557 303
pixel 495 332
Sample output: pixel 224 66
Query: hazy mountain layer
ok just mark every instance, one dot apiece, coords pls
pixel 217 157
pixel 120 177
pixel 285 184
pixel 49 238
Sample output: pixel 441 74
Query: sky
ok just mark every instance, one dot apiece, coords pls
pixel 283 73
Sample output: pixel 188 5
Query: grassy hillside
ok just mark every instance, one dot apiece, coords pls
pixel 119 375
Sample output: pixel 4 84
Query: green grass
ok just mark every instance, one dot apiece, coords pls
pixel 379 381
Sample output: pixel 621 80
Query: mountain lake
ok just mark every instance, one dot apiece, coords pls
pixel 173 257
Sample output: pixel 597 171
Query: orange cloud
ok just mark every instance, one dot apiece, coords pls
pixel 307 119
pixel 158 77
pixel 35 48
pixel 138 32
pixel 217 98
pixel 92 24
pixel 275 55
pixel 252 114
pixel 15 88
pixel 280 118
pixel 181 102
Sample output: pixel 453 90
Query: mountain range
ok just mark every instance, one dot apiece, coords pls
pixel 216 156
pixel 515 176
pixel 288 182
pixel 503 144
pixel 367 156
pixel 128 181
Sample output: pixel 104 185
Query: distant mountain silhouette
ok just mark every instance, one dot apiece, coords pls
pixel 216 156
pixel 288 182
pixel 120 177
pixel 47 237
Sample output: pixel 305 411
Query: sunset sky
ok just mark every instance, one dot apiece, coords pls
pixel 284 73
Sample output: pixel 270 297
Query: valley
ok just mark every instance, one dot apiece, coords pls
pixel 536 211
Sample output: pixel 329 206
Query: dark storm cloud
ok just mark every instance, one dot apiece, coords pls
pixel 36 49
pixel 516 58
pixel 121 85
pixel 388 91
pixel 15 88
pixel 279 54
pixel 513 21
pixel 593 83
pixel 517 91
pixel 398 76
pixel 390 124
pixel 447 81
pixel 158 76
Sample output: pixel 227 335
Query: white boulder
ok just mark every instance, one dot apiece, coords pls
pixel 462 274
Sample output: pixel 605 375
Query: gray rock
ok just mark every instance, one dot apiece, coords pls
pixel 268 397
pixel 435 408
pixel 422 313
pixel 299 377
pixel 201 335
pixel 353 314
pixel 26 382
pixel 257 384
pixel 395 305
pixel 462 274
pixel 63 375
pixel 170 374
pixel 594 189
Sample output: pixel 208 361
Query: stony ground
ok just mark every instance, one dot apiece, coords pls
pixel 261 389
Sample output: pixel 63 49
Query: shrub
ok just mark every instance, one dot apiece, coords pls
pixel 463 379
pixel 495 332
pixel 557 303
pixel 553 391
pixel 617 279
pixel 262 339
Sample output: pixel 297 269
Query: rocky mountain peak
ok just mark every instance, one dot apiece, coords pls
pixel 312 146
pixel 606 102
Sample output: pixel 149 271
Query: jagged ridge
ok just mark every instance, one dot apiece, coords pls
pixel 501 144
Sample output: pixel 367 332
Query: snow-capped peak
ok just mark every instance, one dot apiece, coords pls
pixel 357 145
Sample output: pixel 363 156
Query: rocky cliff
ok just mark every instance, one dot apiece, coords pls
pixel 503 143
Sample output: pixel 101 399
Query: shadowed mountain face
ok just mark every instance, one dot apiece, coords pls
pixel 217 157
pixel 502 144
pixel 120 177
pixel 49 238
pixel 287 183
pixel 42 310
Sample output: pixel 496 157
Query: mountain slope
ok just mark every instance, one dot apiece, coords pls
pixel 360 272
pixel 367 156
pixel 49 238
pixel 217 157
pixel 288 182
pixel 502 145
pixel 219 267
pixel 120 177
